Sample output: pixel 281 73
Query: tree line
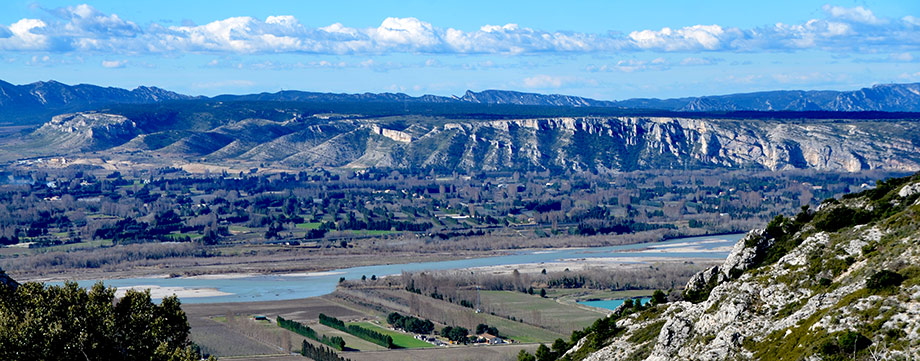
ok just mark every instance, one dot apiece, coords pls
pixel 335 341
pixel 319 353
pixel 410 323
pixel 355 330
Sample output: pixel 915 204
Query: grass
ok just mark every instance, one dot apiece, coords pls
pixel 581 294
pixel 308 225
pixel 241 229
pixel 370 232
pixel 351 342
pixel 648 333
pixel 560 317
pixel 522 332
pixel 181 236
pixel 10 251
pixel 400 339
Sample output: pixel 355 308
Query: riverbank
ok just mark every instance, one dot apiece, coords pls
pixel 243 286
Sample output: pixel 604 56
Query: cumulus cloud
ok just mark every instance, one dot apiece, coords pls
pixel 660 63
pixel 224 84
pixel 858 14
pixel 83 28
pixel 631 65
pixel 24 35
pixel 112 64
pixel 547 81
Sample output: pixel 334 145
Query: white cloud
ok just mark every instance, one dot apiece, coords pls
pixel 83 28
pixel 24 36
pixel 699 61
pixel 910 76
pixel 697 37
pixel 224 84
pixel 406 31
pixel 902 57
pixel 543 81
pixel 911 20
pixel 114 64
pixel 858 14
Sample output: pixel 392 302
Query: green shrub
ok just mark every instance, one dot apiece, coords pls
pixel 884 279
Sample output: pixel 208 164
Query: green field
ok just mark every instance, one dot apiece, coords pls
pixel 309 225
pixel 370 232
pixel 351 342
pixel 9 251
pixel 242 229
pixel 580 294
pixel 399 339
pixel 522 332
pixel 562 318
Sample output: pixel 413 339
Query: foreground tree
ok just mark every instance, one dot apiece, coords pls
pixel 68 322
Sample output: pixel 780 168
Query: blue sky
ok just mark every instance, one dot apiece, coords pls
pixel 599 49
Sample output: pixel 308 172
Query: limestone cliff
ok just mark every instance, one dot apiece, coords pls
pixel 596 144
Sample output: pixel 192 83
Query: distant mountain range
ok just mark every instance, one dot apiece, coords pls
pixel 37 102
pixel 41 100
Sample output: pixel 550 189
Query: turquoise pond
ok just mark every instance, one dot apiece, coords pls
pixel 610 304
pixel 249 288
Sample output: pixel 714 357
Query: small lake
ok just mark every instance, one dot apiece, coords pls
pixel 294 286
pixel 611 304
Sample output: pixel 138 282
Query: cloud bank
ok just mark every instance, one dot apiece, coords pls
pixel 85 29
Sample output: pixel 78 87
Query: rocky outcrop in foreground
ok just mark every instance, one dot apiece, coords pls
pixel 837 283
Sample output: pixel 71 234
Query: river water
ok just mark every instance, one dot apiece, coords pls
pixel 250 288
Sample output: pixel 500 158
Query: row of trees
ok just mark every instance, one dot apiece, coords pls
pixel 360 332
pixel 319 353
pixel 456 333
pixel 335 341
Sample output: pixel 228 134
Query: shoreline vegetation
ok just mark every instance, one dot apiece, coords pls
pixel 84 222
pixel 321 263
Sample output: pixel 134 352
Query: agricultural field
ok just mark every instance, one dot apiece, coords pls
pixel 541 310
pixel 217 338
pixel 400 339
pixel 464 353
pixel 352 343
pixel 572 295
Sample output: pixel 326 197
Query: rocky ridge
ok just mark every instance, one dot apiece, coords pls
pixel 597 144
pixel 88 131
pixel 840 282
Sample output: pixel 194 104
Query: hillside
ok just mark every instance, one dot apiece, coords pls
pixel 286 137
pixel 839 282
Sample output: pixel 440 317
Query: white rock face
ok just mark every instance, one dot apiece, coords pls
pixel 781 298
pixel 909 190
pixel 88 130
pixel 603 144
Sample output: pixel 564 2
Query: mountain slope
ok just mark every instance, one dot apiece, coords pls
pixel 884 97
pixel 595 144
pixel 838 282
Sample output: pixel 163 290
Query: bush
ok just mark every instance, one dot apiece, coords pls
pixel 410 324
pixel 884 279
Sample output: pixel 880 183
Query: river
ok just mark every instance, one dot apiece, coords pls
pixel 250 288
